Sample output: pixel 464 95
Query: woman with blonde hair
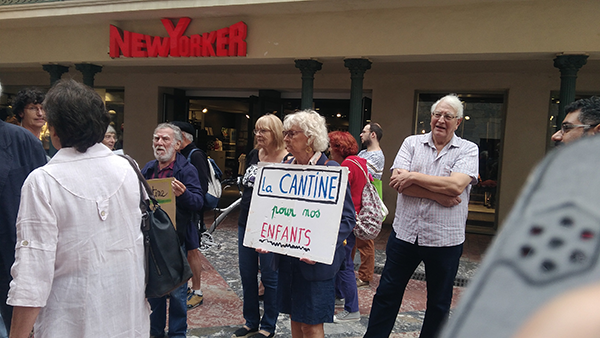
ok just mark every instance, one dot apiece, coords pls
pixel 269 147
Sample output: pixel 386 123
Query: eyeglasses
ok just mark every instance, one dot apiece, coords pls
pixel 566 127
pixel 447 117
pixel 291 133
pixel 261 131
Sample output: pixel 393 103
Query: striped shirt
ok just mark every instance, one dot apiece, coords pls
pixel 420 218
pixel 375 161
pixel 165 172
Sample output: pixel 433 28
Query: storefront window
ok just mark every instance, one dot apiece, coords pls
pixel 482 124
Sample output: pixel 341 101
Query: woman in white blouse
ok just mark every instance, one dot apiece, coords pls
pixel 79 262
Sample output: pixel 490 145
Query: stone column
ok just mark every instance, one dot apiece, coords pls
pixel 308 69
pixel 89 71
pixel 56 72
pixel 357 68
pixel 569 66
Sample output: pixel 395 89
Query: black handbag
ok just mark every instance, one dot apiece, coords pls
pixel 167 267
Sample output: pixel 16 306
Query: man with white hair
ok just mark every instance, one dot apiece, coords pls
pixel 20 154
pixel 189 200
pixel 432 174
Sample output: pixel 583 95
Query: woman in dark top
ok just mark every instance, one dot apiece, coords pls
pixel 268 133
pixel 306 289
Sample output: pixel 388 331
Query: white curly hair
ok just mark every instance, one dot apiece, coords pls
pixel 312 124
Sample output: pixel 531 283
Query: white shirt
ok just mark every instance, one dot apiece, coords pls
pixel 80 252
pixel 433 224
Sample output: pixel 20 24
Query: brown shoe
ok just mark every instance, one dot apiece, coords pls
pixel 362 283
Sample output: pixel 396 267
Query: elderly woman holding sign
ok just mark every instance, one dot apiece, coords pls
pixel 268 133
pixel 306 289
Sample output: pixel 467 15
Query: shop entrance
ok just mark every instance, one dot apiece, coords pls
pixel 482 124
pixel 224 122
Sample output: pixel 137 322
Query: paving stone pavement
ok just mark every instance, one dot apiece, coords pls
pixel 222 265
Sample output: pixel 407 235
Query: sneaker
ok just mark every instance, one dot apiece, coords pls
pixel 339 302
pixel 345 316
pixel 194 299
pixel 361 283
pixel 244 332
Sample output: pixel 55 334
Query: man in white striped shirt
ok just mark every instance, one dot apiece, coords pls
pixel 433 174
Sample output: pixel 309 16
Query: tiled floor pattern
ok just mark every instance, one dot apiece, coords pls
pixel 221 313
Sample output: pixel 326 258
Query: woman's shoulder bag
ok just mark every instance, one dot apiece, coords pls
pixel 167 267
pixel 372 211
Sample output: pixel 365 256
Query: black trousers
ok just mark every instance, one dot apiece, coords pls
pixel 441 265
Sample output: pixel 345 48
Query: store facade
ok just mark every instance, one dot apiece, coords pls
pixel 498 55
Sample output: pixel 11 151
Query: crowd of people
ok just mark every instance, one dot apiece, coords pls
pixel 72 245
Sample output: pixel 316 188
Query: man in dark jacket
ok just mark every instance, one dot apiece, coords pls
pixel 198 159
pixel 20 153
pixel 189 196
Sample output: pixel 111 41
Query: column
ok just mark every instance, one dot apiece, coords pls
pixel 308 69
pixel 357 68
pixel 569 66
pixel 89 71
pixel 56 71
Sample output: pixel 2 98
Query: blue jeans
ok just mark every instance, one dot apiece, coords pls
pixel 441 265
pixel 248 262
pixel 177 313
pixel 345 280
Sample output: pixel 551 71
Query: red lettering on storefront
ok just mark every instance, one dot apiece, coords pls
pixel 157 46
pixel 120 42
pixel 138 46
pixel 237 37
pixel 228 41
pixel 222 41
pixel 208 39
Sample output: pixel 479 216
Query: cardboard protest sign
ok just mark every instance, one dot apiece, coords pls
pixel 163 192
pixel 296 210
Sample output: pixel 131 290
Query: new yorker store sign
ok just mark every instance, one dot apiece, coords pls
pixel 228 41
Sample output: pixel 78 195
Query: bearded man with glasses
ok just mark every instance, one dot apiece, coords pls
pixel 582 119
pixel 433 174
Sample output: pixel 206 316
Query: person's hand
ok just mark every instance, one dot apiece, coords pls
pixel 307 261
pixel 262 251
pixel 178 187
pixel 447 201
pixel 400 180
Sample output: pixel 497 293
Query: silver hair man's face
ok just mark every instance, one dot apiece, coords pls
pixel 164 145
